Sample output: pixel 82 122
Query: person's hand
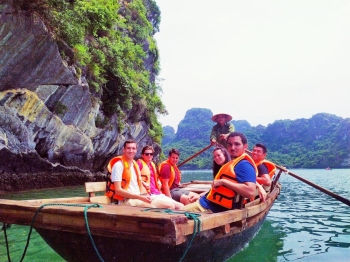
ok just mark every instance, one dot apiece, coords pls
pixel 284 169
pixel 262 193
pixel 223 136
pixel 193 198
pixel 213 142
pixel 145 185
pixel 145 198
pixel 217 183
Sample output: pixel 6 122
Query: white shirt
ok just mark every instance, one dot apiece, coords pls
pixel 117 172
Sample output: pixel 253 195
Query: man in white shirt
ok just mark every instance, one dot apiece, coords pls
pixel 125 183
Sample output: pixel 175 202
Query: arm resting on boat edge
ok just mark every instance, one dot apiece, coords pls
pixel 262 192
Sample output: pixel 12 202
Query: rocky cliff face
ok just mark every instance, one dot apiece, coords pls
pixel 48 134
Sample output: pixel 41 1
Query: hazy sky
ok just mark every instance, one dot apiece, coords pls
pixel 257 60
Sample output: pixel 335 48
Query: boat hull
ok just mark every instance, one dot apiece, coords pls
pixel 205 246
pixel 122 233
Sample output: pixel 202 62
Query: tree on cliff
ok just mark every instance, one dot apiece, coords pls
pixel 113 47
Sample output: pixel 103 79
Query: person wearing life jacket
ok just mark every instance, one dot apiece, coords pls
pixel 151 182
pixel 170 177
pixel 266 169
pixel 238 176
pixel 125 179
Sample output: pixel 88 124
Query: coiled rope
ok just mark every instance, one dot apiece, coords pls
pixel 196 228
pixel 86 207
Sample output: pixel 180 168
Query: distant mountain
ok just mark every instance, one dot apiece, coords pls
pixel 169 134
pixel 319 142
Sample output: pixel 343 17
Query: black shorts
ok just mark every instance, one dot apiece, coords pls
pixel 177 192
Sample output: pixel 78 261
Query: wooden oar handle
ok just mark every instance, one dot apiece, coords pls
pixel 193 156
pixel 324 190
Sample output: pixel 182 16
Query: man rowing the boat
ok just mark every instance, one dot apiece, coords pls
pixel 170 176
pixel 238 176
pixel 222 129
pixel 124 184
pixel 266 169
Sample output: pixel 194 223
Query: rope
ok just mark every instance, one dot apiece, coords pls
pixel 196 229
pixel 86 207
pixel 194 216
pixel 89 233
pixel 6 241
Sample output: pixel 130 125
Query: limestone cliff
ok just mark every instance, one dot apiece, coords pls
pixel 48 132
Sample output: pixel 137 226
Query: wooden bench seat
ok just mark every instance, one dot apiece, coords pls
pixel 92 188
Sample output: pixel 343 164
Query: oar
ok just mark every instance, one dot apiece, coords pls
pixel 193 156
pixel 322 189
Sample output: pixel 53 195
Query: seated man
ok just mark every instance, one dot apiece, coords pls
pixel 170 176
pixel 238 176
pixel 150 180
pixel 266 169
pixel 124 185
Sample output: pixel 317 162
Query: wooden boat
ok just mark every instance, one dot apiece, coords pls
pixel 80 231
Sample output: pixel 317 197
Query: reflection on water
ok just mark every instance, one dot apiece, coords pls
pixel 316 226
pixel 303 225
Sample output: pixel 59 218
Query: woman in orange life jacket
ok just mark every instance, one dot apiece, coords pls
pixel 150 181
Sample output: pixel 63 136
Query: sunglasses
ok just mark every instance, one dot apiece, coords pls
pixel 148 154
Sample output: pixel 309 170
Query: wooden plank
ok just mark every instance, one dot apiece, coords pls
pixel 254 210
pixel 95 187
pixel 72 220
pixel 100 199
pixel 210 221
pixel 201 182
pixel 253 203
pixel 198 186
pixel 59 200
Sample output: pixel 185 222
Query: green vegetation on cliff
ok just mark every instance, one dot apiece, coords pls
pixel 113 48
pixel 319 142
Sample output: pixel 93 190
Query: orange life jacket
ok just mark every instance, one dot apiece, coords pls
pixel 126 177
pixel 222 195
pixel 270 167
pixel 172 172
pixel 146 173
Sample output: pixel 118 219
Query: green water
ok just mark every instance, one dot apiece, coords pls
pixel 303 225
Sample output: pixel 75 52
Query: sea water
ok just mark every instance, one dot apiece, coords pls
pixel 303 225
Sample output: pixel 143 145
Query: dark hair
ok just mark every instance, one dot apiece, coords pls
pixel 174 151
pixel 130 141
pixel 243 137
pixel 147 148
pixel 262 146
pixel 216 167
